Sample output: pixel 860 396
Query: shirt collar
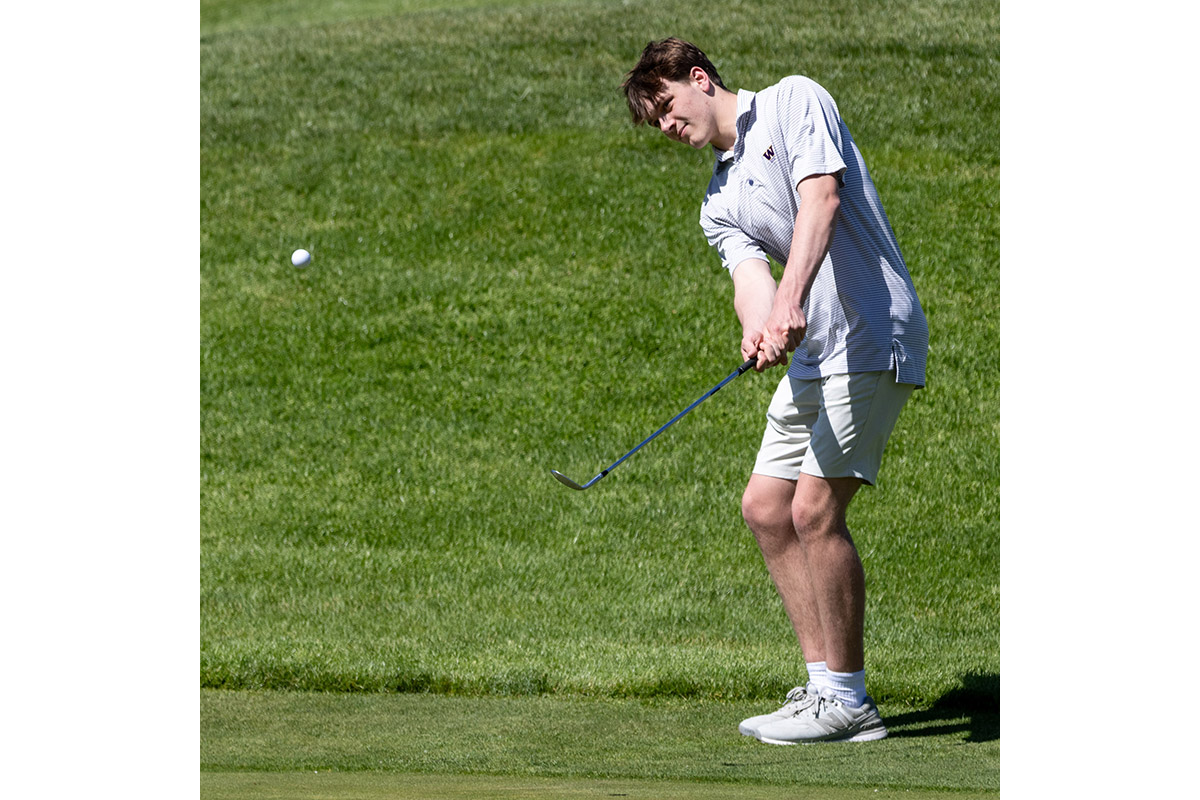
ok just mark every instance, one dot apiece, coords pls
pixel 745 104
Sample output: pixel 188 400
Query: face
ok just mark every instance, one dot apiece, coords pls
pixel 683 112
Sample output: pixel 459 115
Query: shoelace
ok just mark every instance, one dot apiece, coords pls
pixel 800 695
pixel 824 701
pixel 795 694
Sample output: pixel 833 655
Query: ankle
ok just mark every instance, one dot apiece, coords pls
pixel 817 673
pixel 850 687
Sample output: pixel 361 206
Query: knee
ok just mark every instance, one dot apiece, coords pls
pixel 751 511
pixel 805 519
pixel 819 507
pixel 813 522
pixel 765 515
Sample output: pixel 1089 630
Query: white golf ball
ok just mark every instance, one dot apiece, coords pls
pixel 300 258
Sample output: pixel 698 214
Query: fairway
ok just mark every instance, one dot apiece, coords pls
pixel 506 279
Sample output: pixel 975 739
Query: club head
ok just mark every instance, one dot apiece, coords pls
pixel 564 480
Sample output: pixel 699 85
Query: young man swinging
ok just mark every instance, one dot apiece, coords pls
pixel 790 184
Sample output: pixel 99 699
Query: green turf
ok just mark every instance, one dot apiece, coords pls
pixel 392 786
pixel 943 749
pixel 507 278
pixel 217 16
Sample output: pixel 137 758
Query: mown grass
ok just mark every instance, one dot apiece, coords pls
pixel 939 750
pixel 318 785
pixel 506 279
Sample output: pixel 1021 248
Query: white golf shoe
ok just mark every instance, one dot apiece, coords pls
pixel 825 719
pixel 796 701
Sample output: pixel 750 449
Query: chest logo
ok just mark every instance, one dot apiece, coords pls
pixel 770 153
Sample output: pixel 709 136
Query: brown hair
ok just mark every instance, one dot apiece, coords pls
pixel 668 60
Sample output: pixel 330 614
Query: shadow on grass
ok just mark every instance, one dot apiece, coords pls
pixel 974 708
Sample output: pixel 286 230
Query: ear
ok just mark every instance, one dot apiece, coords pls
pixel 700 78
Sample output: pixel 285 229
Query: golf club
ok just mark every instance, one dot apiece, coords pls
pixel 563 479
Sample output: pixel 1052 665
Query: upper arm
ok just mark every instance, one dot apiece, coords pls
pixel 812 127
pixel 821 190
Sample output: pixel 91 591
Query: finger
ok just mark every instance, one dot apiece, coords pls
pixel 768 355
pixel 765 356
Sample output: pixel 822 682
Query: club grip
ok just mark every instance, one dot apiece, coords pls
pixel 750 362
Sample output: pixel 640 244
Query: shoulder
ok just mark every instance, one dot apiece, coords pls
pixel 797 91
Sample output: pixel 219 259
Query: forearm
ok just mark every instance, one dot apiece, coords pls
pixel 811 238
pixel 753 295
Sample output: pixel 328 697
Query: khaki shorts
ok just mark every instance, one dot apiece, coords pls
pixel 835 427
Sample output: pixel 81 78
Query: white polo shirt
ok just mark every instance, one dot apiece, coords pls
pixel 863 313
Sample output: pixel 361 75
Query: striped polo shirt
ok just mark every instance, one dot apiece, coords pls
pixel 863 313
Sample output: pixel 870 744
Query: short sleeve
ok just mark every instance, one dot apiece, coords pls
pixel 812 128
pixel 730 241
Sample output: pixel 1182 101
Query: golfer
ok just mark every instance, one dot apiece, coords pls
pixel 790 184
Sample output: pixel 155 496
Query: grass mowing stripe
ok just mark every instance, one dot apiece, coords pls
pixel 222 16
pixel 390 786
pixel 948 749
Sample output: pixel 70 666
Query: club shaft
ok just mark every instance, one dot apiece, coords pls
pixel 743 368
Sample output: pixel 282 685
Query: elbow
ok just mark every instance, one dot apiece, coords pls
pixel 832 198
pixel 832 204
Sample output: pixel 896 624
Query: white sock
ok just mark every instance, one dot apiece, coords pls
pixel 816 673
pixel 851 687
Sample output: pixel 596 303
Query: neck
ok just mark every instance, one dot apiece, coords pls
pixel 726 137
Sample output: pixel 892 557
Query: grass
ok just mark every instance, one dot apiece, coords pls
pixel 372 785
pixel 939 750
pixel 507 278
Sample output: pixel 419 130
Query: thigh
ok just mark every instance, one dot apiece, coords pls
pixel 856 417
pixel 791 415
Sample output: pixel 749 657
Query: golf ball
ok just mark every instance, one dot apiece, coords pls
pixel 300 258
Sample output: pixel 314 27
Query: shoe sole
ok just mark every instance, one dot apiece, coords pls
pixel 870 735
